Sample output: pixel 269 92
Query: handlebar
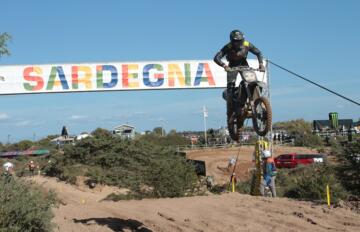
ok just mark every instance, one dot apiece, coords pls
pixel 243 68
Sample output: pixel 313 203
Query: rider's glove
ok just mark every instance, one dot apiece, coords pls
pixel 261 68
pixel 227 68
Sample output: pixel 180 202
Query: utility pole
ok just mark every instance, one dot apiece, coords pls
pixel 162 127
pixel 205 112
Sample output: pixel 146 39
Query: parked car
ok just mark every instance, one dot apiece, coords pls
pixel 293 159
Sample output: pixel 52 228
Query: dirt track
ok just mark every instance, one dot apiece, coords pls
pixel 217 160
pixel 83 210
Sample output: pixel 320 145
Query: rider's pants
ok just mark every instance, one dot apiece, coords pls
pixel 271 185
pixel 231 79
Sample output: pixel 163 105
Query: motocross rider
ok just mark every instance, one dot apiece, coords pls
pixel 236 53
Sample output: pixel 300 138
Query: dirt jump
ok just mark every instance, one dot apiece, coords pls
pixel 83 209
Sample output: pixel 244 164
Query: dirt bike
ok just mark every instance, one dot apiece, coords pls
pixel 256 106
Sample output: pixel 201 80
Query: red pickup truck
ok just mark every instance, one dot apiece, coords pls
pixel 293 159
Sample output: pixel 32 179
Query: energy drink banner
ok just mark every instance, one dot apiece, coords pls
pixel 334 120
pixel 59 78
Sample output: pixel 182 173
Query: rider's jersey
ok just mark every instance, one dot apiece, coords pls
pixel 237 55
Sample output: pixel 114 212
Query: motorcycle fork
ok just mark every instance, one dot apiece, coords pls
pixel 250 97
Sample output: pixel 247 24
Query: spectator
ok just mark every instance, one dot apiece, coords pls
pixel 32 166
pixel 269 173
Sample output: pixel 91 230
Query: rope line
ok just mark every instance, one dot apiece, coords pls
pixel 329 90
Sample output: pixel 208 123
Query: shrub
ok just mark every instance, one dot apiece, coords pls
pixel 121 197
pixel 310 183
pixel 171 177
pixel 132 164
pixel 308 140
pixel 218 189
pixel 23 208
pixel 304 183
pixel 349 168
pixel 244 186
pixel 172 139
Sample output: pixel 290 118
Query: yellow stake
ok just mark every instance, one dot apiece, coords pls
pixel 328 195
pixel 233 183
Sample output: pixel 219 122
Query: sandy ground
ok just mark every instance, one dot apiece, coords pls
pixel 82 209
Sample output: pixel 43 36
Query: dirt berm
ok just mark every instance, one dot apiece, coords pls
pixel 82 209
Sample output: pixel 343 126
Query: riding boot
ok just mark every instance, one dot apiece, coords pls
pixel 241 116
pixel 230 99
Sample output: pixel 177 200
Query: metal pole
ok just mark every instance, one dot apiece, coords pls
pixel 162 127
pixel 205 116
pixel 270 135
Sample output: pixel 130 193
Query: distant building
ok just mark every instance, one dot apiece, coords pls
pixel 82 136
pixel 325 125
pixel 124 131
pixel 62 140
pixel 357 126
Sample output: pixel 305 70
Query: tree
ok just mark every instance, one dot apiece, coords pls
pixel 295 127
pixel 4 38
pixel 301 131
pixel 64 132
pixel 101 133
pixel 24 145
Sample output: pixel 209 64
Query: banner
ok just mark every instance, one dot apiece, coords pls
pixel 84 77
pixel 334 120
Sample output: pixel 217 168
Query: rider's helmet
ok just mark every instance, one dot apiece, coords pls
pixel 265 154
pixel 236 36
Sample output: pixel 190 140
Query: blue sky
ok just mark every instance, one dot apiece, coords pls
pixel 318 39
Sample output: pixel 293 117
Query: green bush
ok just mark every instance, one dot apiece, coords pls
pixel 172 139
pixel 121 197
pixel 218 189
pixel 304 183
pixel 349 168
pixel 244 186
pixel 309 183
pixel 308 140
pixel 171 177
pixel 23 208
pixel 139 165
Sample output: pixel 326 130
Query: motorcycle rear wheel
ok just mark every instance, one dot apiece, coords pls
pixel 234 126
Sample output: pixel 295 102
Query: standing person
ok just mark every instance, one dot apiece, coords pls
pixel 236 52
pixel 31 166
pixel 8 170
pixel 269 173
pixel 231 163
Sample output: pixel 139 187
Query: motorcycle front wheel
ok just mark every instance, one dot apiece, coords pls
pixel 263 116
